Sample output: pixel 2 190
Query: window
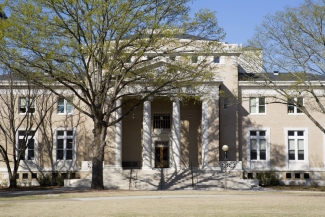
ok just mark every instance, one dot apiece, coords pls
pixel 216 59
pixel 194 59
pixel 26 105
pixel 257 105
pixel 161 121
pixel 25 175
pixel 64 107
pixel 296 145
pixel 64 144
pixel 26 140
pixel 258 145
pixel 288 175
pixel 291 105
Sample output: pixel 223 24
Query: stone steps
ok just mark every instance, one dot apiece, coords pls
pixel 167 179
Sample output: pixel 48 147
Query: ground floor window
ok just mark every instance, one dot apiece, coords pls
pixel 64 145
pixel 296 145
pixel 257 140
pixel 26 145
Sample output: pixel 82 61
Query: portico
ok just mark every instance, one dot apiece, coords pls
pixel 170 132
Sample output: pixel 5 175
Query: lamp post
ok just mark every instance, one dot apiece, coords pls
pixel 225 148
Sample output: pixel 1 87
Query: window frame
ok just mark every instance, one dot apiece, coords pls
pixel 194 59
pixel 258 163
pixel 65 137
pixel 295 109
pixel 296 164
pixel 296 149
pixel 26 155
pixel 163 122
pixel 65 105
pixel 28 106
pixel 257 106
pixel 216 59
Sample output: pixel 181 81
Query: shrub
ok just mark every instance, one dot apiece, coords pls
pixel 45 180
pixel 4 183
pixel 268 179
pixel 314 184
pixel 59 181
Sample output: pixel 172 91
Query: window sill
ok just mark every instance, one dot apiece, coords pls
pixel 256 114
pixel 295 113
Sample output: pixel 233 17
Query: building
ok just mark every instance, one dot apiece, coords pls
pixel 170 143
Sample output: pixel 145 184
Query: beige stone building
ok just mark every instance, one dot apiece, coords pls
pixel 171 143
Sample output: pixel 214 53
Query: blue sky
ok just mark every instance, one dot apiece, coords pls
pixel 240 17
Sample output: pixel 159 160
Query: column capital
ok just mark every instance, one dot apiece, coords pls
pixel 150 98
pixel 176 99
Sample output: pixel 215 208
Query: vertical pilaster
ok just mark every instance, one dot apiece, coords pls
pixel 205 134
pixel 176 137
pixel 147 142
pixel 210 129
pixel 118 136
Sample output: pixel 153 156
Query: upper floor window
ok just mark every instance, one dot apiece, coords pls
pixel 194 59
pixel 216 59
pixel 257 144
pixel 161 121
pixel 296 145
pixel 257 105
pixel 26 140
pixel 26 105
pixel 64 145
pixel 292 109
pixel 64 106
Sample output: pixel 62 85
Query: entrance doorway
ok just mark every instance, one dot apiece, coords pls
pixel 161 154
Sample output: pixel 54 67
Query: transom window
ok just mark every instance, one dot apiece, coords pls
pixel 296 145
pixel 292 109
pixel 257 105
pixel 26 140
pixel 64 145
pixel 26 105
pixel 258 144
pixel 161 121
pixel 64 106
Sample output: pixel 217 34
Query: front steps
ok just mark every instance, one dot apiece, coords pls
pixel 167 179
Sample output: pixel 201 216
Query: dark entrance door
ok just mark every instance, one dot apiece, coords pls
pixel 161 157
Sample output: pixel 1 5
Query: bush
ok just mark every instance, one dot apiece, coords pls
pixel 4 183
pixel 59 181
pixel 268 179
pixel 45 180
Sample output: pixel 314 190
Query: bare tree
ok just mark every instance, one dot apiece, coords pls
pixel 19 123
pixel 292 43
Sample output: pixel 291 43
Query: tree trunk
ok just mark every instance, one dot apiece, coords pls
pixel 98 155
pixel 12 181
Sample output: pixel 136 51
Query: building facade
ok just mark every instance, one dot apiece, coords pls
pixel 173 135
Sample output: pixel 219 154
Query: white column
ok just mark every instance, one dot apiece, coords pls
pixel 205 134
pixel 118 136
pixel 176 138
pixel 147 143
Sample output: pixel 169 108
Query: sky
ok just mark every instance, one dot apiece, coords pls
pixel 240 17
